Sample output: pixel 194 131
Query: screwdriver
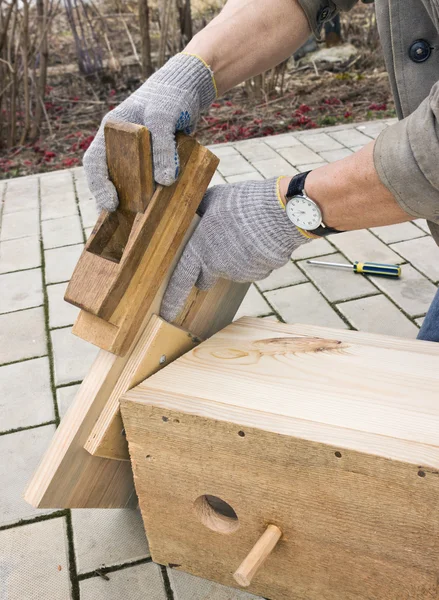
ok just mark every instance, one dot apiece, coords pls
pixel 367 268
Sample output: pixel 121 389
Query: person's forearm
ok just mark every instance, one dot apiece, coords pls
pixel 248 37
pixel 351 195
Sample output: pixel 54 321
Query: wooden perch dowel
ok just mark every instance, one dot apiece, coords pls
pixel 257 555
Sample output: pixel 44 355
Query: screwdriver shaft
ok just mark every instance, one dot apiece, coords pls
pixel 330 264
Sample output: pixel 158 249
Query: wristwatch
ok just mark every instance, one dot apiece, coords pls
pixel 303 212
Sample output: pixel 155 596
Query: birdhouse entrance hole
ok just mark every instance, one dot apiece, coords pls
pixel 216 514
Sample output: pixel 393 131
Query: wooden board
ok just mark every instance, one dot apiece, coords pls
pixel 156 235
pixel 205 313
pixel 69 476
pixel 160 339
pixel 370 393
pixel 330 435
pixel 355 526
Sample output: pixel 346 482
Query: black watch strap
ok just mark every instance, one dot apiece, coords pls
pixel 296 187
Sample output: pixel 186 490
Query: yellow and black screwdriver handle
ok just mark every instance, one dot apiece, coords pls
pixel 372 268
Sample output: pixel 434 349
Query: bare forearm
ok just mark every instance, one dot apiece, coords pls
pixel 351 195
pixel 248 37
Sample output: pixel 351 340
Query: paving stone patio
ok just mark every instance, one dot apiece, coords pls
pixel 44 222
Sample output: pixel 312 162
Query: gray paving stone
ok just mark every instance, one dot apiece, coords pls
pixel 357 148
pixel 333 155
pixel 419 321
pixel 217 179
pixel 299 155
pixel 412 292
pixel 188 587
pixel 89 212
pixel 337 284
pixel 57 195
pixel 73 356
pixel 253 305
pixel 351 137
pixel 34 563
pixel 303 304
pixel 62 232
pixel 64 398
pixel 22 335
pixel 25 394
pixel 313 248
pixel 364 246
pixel 283 140
pixel 60 262
pixel 61 313
pixel 21 453
pixel 244 177
pixel 423 253
pixel 310 167
pixel 422 223
pixel 56 208
pixel 255 150
pixel 23 253
pixel 274 167
pixel 234 164
pixel 23 289
pixel 223 150
pixel 143 582
pixel 287 275
pixel 21 195
pixel 19 225
pixel 108 537
pixel 87 232
pixel 377 314
pixel 372 129
pixel 319 142
pixel 81 185
pixel 397 233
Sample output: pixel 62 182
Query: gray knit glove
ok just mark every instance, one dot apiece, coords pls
pixel 171 100
pixel 243 235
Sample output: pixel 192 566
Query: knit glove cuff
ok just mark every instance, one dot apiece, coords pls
pixel 189 72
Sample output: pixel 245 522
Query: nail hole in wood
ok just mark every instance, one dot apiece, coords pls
pixel 241 433
pixel 216 514
pixel 338 454
pixel 165 419
pixel 421 473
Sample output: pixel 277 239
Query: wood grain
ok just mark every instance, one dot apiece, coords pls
pixel 355 525
pixel 159 339
pixel 387 395
pixel 204 314
pixel 257 556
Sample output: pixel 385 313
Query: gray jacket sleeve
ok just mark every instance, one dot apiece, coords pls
pixel 406 159
pixel 318 12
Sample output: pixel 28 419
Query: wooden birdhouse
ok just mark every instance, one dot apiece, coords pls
pixel 299 462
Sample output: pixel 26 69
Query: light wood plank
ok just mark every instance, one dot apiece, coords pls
pixel 358 389
pixel 160 339
pixel 205 312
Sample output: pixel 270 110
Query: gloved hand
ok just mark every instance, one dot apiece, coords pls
pixel 171 100
pixel 243 235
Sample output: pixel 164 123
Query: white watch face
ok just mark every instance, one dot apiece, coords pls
pixel 304 213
